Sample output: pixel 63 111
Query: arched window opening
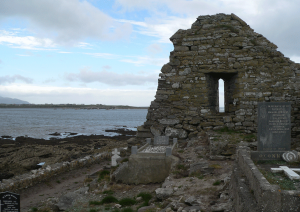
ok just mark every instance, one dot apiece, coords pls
pixel 221 96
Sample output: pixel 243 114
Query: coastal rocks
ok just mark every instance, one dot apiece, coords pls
pixel 163 193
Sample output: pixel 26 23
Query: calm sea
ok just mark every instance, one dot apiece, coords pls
pixel 39 123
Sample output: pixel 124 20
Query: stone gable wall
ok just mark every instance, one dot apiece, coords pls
pixel 220 46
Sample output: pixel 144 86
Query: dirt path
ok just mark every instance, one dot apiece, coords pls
pixel 55 187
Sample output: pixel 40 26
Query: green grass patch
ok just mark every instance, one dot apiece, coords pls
pixel 145 196
pixel 180 151
pixel 95 203
pixel 109 199
pixel 34 209
pixel 93 210
pixel 216 183
pixel 57 181
pixel 124 160
pixel 279 179
pixel 127 202
pixel 181 167
pixel 227 130
pixel 104 174
pixel 249 137
pixel 109 192
pixel 127 210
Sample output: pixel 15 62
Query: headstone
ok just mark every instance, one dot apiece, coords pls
pixel 9 202
pixel 291 173
pixel 161 140
pixel 148 140
pixel 115 157
pixel 175 140
pixel 274 130
pixel 134 150
pixel 168 151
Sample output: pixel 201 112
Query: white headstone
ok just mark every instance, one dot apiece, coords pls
pixel 115 157
pixel 291 156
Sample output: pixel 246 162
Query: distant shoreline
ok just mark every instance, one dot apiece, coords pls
pixel 70 106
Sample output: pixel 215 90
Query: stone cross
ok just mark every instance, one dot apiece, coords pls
pixel 291 173
pixel 115 157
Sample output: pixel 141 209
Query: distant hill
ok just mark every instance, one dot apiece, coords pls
pixel 6 100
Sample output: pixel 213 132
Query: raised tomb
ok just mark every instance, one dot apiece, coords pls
pixel 220 47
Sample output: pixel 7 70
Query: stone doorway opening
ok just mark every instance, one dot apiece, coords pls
pixel 213 91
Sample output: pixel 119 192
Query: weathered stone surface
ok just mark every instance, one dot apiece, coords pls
pixel 164 193
pixel 172 132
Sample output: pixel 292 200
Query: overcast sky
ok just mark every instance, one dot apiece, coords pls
pixel 111 51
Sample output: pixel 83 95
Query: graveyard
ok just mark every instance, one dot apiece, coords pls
pixel 188 156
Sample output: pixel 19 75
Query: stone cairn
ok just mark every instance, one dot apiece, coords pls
pixel 220 47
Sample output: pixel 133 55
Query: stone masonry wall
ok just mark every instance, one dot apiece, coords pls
pixel 220 47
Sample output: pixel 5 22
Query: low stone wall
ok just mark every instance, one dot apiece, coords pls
pixel 39 175
pixel 251 191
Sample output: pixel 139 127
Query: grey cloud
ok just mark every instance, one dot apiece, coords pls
pixel 66 21
pixel 111 78
pixel 12 79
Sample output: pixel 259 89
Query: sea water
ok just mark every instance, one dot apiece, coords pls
pixel 40 122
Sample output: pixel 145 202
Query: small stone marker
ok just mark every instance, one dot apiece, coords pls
pixel 9 202
pixel 134 150
pixel 161 140
pixel 291 156
pixel 175 140
pixel 115 157
pixel 168 151
pixel 148 140
pixel 274 130
pixel 291 173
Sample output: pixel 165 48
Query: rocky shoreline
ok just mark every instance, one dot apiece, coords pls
pixel 22 154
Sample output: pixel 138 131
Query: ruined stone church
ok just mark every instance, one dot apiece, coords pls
pixel 220 47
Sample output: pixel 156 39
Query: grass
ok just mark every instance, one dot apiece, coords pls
pixel 93 210
pixel 57 181
pixel 249 137
pixel 94 202
pixel 180 151
pixel 104 174
pixel 109 192
pixel 216 183
pixel 227 130
pixel 197 174
pixel 109 199
pixel 145 196
pixel 279 179
pixel 34 209
pixel 124 160
pixel 127 202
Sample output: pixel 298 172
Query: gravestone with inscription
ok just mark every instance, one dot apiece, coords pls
pixel 274 130
pixel 9 202
pixel 161 140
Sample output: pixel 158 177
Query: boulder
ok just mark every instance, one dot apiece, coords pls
pixel 164 193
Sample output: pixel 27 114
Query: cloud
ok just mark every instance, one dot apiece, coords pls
pixel 111 78
pixel 136 60
pixel 12 79
pixel 65 22
pixel 265 17
pixel 25 42
pixel 154 49
pixel 161 28
pixel 140 61
pixel 60 95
